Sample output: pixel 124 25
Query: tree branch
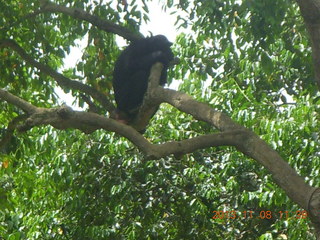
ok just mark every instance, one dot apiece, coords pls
pixel 64 117
pixel 77 13
pixel 4 142
pixel 149 105
pixel 200 111
pixel 310 11
pixel 252 146
pixel 60 79
pixel 20 103
pixel 232 138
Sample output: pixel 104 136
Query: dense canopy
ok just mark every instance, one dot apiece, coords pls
pixel 234 153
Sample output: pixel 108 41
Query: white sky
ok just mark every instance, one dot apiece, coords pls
pixel 160 23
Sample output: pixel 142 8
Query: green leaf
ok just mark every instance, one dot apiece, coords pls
pixel 266 63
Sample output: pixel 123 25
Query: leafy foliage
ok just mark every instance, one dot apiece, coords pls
pixel 250 59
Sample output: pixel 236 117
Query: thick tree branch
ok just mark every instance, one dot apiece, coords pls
pixel 61 80
pixel 77 13
pixel 149 105
pixel 200 111
pixel 6 138
pixel 232 138
pixel 310 11
pixel 20 103
pixel 64 117
pixel 252 146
